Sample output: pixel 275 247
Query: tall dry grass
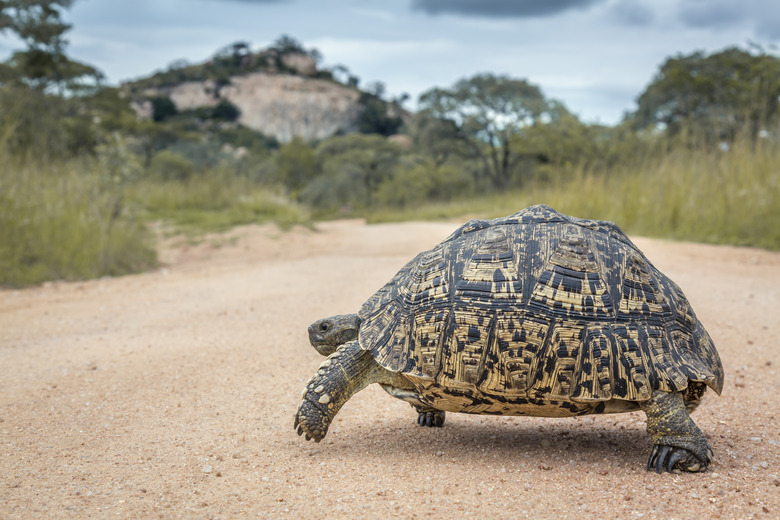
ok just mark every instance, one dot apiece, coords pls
pixel 213 201
pixel 687 193
pixel 65 221
pixel 717 196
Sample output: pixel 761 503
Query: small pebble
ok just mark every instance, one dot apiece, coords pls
pixel 207 469
pixel 265 479
pixel 546 443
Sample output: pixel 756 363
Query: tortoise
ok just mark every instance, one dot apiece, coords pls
pixel 537 314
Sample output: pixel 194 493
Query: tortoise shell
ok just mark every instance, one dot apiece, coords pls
pixel 537 307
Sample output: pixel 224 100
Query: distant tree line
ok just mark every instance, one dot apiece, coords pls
pixel 484 133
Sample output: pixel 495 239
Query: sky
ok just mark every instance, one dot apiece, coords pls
pixel 595 56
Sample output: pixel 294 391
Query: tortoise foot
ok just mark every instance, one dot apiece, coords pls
pixel 431 418
pixel 311 422
pixel 677 442
pixel 667 458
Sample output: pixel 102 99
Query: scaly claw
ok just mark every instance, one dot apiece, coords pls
pixel 667 458
pixel 676 457
pixel 434 418
pixel 657 458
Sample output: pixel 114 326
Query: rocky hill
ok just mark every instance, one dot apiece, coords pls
pixel 279 92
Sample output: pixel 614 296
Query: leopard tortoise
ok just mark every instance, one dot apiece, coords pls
pixel 536 314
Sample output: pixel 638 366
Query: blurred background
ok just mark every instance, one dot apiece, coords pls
pixel 122 122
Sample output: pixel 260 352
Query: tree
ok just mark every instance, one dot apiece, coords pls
pixel 562 139
pixel 287 44
pixel 353 167
pixel 483 113
pixel 714 96
pixel 45 97
pixel 374 117
pixel 43 64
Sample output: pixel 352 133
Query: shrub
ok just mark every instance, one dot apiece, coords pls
pixel 162 109
pixel 167 165
pixel 416 185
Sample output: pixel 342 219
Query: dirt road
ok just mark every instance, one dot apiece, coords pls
pixel 172 395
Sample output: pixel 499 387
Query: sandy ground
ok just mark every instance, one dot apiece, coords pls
pixel 172 394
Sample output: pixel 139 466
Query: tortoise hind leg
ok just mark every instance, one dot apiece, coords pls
pixel 427 416
pixel 677 441
pixel 346 371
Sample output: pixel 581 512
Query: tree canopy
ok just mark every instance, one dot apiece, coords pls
pixel 483 113
pixel 713 95
pixel 43 65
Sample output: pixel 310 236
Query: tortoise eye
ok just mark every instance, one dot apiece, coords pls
pixel 324 327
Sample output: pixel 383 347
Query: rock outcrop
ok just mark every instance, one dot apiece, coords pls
pixel 280 105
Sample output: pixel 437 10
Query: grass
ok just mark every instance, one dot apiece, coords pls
pixel 71 221
pixel 730 197
pixel 214 201
pixel 64 222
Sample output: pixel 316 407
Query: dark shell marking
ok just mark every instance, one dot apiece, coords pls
pixel 538 313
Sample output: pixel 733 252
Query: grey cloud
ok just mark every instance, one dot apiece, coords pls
pixel 502 8
pixel 769 28
pixel 633 13
pixel 762 15
pixel 712 13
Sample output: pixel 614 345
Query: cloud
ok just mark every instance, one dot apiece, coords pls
pixel 761 15
pixel 631 12
pixel 502 8
pixel 713 14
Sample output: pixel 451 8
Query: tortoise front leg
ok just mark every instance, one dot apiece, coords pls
pixel 677 441
pixel 348 370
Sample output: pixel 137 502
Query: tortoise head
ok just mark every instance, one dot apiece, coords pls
pixel 328 334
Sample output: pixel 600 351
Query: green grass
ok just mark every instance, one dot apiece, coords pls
pixel 716 197
pixel 214 201
pixel 64 222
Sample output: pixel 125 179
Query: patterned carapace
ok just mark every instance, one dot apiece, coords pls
pixel 538 308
